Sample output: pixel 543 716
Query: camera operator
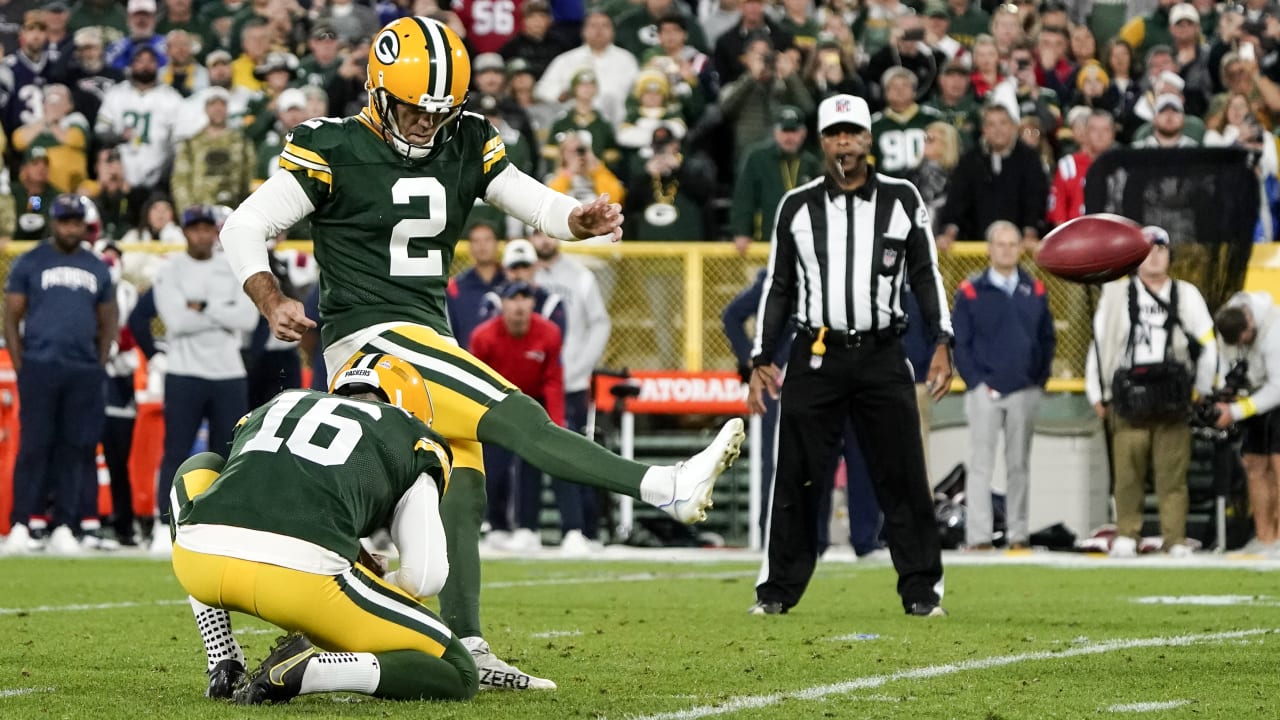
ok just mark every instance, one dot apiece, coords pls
pixel 1151 333
pixel 1250 335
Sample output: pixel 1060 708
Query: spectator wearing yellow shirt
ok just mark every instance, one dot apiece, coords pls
pixel 255 41
pixel 63 133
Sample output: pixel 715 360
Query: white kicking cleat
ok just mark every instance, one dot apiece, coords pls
pixel 695 478
pixel 498 675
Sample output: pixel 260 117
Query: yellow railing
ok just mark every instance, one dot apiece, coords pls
pixel 665 299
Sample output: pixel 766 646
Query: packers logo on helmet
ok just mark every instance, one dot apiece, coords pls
pixel 393 379
pixel 418 63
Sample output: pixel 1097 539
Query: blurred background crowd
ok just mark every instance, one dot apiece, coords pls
pixel 150 105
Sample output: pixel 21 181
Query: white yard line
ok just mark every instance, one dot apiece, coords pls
pixel 557 634
pixel 86 606
pixel 854 637
pixel 1146 706
pixel 562 580
pixel 629 577
pixel 1207 600
pixel 749 702
pixel 23 691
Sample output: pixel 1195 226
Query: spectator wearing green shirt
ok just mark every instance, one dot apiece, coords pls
pixel 768 171
pixel 968 21
pixel 956 104
pixel 1144 33
pixel 637 29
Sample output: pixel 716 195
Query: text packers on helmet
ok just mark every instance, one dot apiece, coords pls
pixel 398 382
pixel 422 63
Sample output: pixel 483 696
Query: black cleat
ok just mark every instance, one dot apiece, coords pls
pixel 767 608
pixel 279 679
pixel 926 609
pixel 223 679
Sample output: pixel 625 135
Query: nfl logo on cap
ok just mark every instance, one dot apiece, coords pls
pixel 843 109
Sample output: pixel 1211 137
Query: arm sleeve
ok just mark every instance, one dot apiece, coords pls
pixel 1134 32
pixel 274 207
pixel 1048 342
pixel 1035 196
pixel 746 199
pixel 236 312
pixel 778 291
pixel 180 182
pixel 735 316
pixel 1093 385
pixel 599 326
pixel 1092 380
pixel 1059 194
pixel 18 282
pixel 531 202
pixel 734 95
pixel 1198 323
pixel 922 266
pixel 553 377
pixel 552 82
pixel 139 322
pixel 960 188
pixel 171 305
pixel 418 533
pixel 608 183
pixel 1268 396
pixel 964 343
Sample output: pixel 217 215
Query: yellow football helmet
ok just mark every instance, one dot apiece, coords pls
pixel 398 382
pixel 419 62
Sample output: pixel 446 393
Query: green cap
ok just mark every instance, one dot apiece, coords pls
pixel 789 117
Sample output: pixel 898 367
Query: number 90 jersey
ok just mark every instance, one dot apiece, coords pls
pixel 384 226
pixel 316 467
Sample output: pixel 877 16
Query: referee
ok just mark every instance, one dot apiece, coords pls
pixel 843 247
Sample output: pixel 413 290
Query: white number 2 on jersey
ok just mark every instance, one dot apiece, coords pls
pixel 301 441
pixel 402 193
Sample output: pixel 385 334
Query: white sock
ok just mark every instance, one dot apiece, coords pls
pixel 658 486
pixel 215 631
pixel 342 672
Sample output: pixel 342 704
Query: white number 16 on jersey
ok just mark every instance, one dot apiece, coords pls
pixel 402 193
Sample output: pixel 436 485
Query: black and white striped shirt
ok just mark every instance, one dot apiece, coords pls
pixel 839 260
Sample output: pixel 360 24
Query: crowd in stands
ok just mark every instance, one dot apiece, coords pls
pixel 150 105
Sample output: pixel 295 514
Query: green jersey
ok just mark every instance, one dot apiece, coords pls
pixel 325 469
pixel 964 116
pixel 899 139
pixel 384 226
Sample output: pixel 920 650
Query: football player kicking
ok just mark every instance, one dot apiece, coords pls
pixel 388 191
pixel 274 531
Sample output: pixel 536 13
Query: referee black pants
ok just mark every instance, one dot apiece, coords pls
pixel 871 385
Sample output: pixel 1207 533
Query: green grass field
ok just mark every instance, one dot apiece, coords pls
pixel 113 638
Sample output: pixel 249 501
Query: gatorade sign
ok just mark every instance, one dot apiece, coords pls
pixel 676 392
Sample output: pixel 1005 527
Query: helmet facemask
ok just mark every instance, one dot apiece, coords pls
pixel 443 112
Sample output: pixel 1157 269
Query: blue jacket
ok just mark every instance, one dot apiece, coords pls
pixel 464 301
pixel 734 317
pixel 1004 341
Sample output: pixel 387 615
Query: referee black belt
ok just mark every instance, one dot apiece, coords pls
pixel 847 339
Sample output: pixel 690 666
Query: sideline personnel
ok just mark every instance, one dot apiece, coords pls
pixel 842 247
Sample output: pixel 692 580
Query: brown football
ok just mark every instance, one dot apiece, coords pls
pixel 1094 248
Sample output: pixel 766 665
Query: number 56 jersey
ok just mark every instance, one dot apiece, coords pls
pixel 311 471
pixel 385 226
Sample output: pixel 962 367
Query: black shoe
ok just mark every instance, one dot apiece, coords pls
pixel 767 608
pixel 926 609
pixel 223 679
pixel 279 678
